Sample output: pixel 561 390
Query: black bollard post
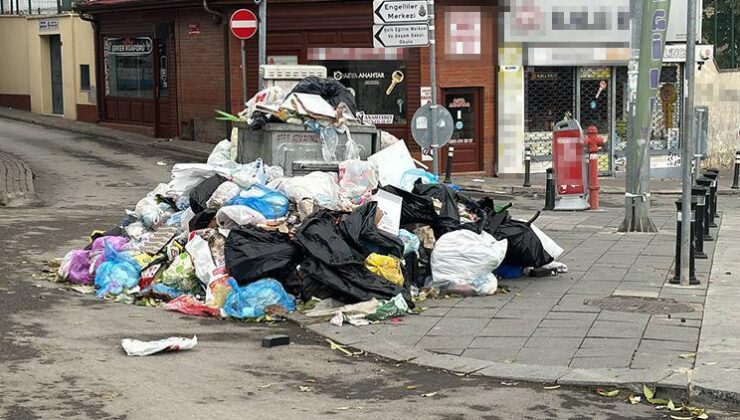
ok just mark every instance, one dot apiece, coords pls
pixel 549 191
pixel 700 194
pixel 706 183
pixel 736 178
pixel 527 166
pixel 715 202
pixel 712 197
pixel 679 219
pixel 448 171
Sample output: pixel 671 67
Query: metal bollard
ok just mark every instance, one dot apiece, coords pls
pixel 700 193
pixel 527 166
pixel 549 191
pixel 679 218
pixel 448 171
pixel 736 178
pixel 712 197
pixel 706 183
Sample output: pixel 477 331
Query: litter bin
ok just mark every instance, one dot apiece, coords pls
pixel 291 145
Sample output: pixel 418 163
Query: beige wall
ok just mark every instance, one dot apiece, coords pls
pixel 27 69
pixel 14 52
pixel 720 91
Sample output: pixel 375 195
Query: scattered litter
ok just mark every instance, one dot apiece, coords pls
pixel 265 386
pixel 551 387
pixel 509 383
pixel 276 340
pixel 134 347
pixel 605 393
pixel 688 356
pixel 709 363
pixel 161 163
pixel 635 399
pixel 478 180
pixel 303 388
pixel 80 288
pixel 410 387
pixel 335 346
pixel 429 394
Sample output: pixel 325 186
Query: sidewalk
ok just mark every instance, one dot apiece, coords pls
pixel 193 150
pixel 613 320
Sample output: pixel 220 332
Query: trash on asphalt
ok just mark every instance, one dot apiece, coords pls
pixel 134 347
pixel 364 240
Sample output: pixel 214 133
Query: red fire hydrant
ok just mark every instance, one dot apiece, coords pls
pixel 594 143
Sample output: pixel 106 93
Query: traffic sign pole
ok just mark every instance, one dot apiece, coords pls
pixel 433 77
pixel 244 73
pixel 244 26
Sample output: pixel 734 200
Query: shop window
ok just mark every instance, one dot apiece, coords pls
pixel 463 32
pixel 548 97
pixel 376 77
pixel 129 67
pixel 84 77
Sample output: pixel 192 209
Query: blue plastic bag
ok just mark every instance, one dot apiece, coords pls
pixel 409 178
pixel 411 242
pixel 119 272
pixel 270 203
pixel 250 301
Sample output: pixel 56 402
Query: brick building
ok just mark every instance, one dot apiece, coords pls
pixel 163 69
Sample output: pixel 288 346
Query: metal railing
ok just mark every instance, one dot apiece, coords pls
pixel 35 7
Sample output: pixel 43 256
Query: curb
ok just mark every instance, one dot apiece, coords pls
pixel 110 136
pixel 536 191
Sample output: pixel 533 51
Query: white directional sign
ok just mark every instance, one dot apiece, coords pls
pixel 400 11
pixel 393 36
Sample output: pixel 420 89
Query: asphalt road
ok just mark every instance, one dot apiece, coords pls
pixel 60 354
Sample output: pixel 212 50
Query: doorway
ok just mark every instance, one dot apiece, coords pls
pixel 465 107
pixel 164 42
pixel 55 58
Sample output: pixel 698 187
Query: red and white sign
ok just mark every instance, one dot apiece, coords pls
pixel 243 24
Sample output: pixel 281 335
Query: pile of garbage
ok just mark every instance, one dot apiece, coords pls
pixel 225 239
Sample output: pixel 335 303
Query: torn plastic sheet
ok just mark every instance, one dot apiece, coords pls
pixel 134 347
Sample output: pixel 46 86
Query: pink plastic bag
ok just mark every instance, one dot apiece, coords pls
pixel 79 268
pixel 98 248
pixel 189 305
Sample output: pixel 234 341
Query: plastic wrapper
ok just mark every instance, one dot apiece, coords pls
pixel 392 308
pixel 411 242
pixel 149 212
pixel 357 177
pixel 231 217
pixel 189 305
pixel 410 177
pixel 270 203
pixel 65 265
pixel 199 251
pixel 145 348
pixel 117 274
pixel 221 153
pixel 217 292
pixel 329 142
pixel 223 194
pixel 250 173
pixel 352 150
pixel 181 274
pixel 386 267
pixel 463 261
pixel 251 301
pixel 321 187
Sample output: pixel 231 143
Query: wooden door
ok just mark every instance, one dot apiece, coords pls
pixel 465 106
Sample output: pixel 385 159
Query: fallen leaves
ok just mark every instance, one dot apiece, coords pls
pixel 608 394
pixel 683 411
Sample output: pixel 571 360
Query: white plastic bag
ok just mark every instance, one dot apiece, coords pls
pixel 185 176
pixel 221 154
pixel 550 246
pixel 149 212
pixel 463 262
pixel 145 348
pixel 250 173
pixel 200 252
pixel 321 187
pixel 231 217
pixel 225 192
pixel 356 177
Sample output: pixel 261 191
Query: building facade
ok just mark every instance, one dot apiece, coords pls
pixel 48 65
pixel 165 66
pixel 570 60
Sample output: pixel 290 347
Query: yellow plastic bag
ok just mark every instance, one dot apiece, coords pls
pixel 386 267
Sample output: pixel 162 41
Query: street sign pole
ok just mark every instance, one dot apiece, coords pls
pixel 433 82
pixel 688 140
pixel 243 25
pixel 244 73
pixel 262 38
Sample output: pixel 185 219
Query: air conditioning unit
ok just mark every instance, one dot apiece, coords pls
pixel 288 76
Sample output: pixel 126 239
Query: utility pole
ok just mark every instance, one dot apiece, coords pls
pixel 688 141
pixel 262 38
pixel 433 82
pixel 652 30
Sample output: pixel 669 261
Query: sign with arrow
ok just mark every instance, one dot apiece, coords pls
pixel 400 11
pixel 399 36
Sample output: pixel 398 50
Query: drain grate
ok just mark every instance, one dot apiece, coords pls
pixel 644 305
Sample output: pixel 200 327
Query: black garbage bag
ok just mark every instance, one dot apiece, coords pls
pixel 203 192
pixel 448 218
pixel 331 90
pixel 419 209
pixel 202 220
pixel 335 246
pixel 253 253
pixel 524 246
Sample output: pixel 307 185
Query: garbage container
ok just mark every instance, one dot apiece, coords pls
pixel 289 144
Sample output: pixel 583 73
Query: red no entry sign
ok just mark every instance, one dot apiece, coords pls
pixel 243 24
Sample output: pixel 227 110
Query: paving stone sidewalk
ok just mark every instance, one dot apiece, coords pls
pixel 551 329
